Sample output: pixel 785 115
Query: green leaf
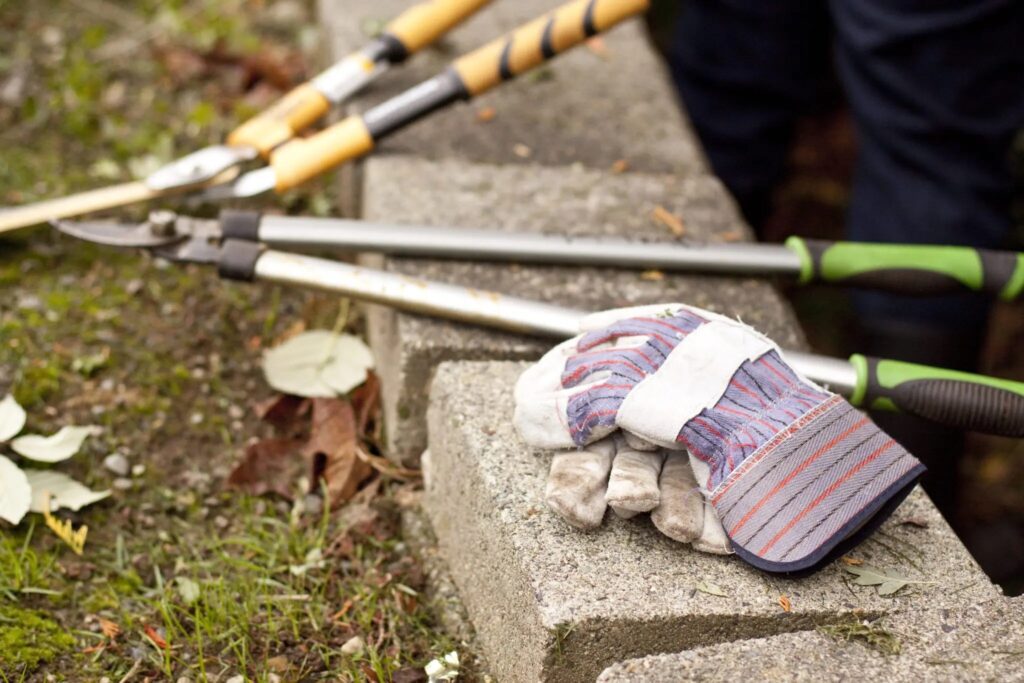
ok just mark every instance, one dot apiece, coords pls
pixel 55 448
pixel 12 418
pixel 15 492
pixel 62 491
pixel 318 364
pixel 711 589
pixel 888 583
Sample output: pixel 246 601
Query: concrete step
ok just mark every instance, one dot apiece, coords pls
pixel 569 200
pixel 982 642
pixel 549 602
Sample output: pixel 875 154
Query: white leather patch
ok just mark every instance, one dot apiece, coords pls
pixel 692 378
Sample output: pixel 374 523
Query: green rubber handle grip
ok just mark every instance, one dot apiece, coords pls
pixel 957 399
pixel 911 268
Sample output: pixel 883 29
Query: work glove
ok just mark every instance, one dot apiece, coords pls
pixel 794 472
pixel 584 483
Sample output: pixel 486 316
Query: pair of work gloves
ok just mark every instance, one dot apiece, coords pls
pixel 699 420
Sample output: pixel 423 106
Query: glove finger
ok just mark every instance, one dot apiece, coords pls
pixel 680 516
pixel 638 443
pixel 633 484
pixel 661 333
pixel 576 484
pixel 712 537
pixel 625 365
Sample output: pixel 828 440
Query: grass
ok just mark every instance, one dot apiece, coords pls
pixel 868 633
pixel 179 576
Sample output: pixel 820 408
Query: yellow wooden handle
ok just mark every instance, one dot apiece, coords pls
pixel 424 23
pixel 541 39
pixel 303 159
pixel 278 124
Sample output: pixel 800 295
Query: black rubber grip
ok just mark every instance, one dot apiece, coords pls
pixel 240 225
pixel 964 405
pixel 238 260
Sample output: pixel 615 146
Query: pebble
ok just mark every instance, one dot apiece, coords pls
pixel 138 470
pixel 312 504
pixel 353 646
pixel 118 464
pixel 235 412
pixel 236 679
pixel 184 679
pixel 122 484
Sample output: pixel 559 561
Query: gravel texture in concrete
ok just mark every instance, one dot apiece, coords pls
pixel 978 642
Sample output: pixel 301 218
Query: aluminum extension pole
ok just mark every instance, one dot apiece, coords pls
pixel 492 245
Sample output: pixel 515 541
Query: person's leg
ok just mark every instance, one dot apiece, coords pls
pixel 937 92
pixel 745 69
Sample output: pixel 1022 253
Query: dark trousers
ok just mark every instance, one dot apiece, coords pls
pixel 936 90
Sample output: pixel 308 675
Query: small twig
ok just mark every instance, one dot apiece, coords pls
pixel 132 671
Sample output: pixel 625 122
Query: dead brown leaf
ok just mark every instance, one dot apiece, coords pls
pixel 851 561
pixel 154 637
pixel 620 166
pixel 410 674
pixel 282 411
pixel 671 221
pixel 785 604
pixel 919 522
pixel 731 236
pixel 332 450
pixel 109 628
pixel 652 275
pixel 486 114
pixel 268 466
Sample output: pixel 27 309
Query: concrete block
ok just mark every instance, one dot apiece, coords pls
pixel 977 642
pixel 590 105
pixel 569 200
pixel 549 602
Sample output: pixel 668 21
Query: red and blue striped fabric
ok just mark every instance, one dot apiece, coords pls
pixel 795 473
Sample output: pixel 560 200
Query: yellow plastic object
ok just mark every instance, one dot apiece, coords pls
pixel 278 124
pixel 540 40
pixel 424 23
pixel 303 159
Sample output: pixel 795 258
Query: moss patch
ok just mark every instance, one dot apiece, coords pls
pixel 29 638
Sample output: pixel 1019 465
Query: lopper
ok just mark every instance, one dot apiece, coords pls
pixel 236 246
pixel 898 268
pixel 212 174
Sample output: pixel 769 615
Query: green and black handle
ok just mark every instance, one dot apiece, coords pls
pixel 475 73
pixel 956 399
pixel 911 268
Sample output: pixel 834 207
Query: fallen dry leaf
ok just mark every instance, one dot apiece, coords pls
pixel 154 637
pixel 522 151
pixel 731 236
pixel 332 450
pixel 671 221
pixel 620 166
pixel 652 275
pixel 919 522
pixel 268 466
pixel 597 45
pixel 851 561
pixel 109 628
pixel 282 411
pixel 785 604
pixel 485 114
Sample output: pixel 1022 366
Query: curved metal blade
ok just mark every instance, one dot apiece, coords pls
pixel 200 166
pixel 118 234
pixel 249 184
